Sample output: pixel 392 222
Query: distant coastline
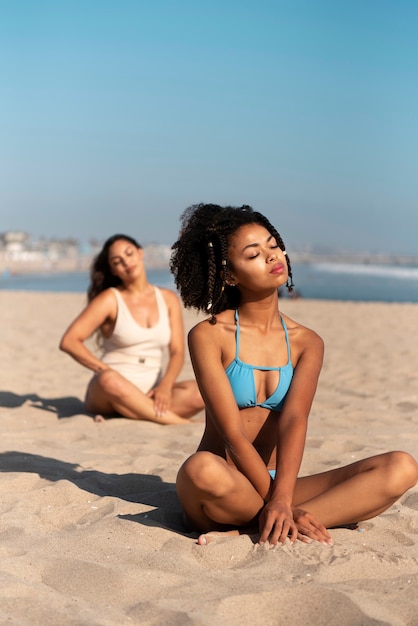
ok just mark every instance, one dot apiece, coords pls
pixel 157 257
pixel 357 258
pixel 317 278
pixel 17 262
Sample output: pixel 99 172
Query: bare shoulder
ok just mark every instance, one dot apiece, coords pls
pixel 106 299
pixel 215 334
pixel 170 297
pixel 103 307
pixel 202 331
pixel 301 337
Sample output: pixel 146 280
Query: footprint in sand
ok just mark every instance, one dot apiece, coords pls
pixel 401 538
pixel 411 501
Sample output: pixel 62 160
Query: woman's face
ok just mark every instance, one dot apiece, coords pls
pixel 255 261
pixel 125 259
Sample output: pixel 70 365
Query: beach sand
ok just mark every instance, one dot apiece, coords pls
pixel 90 527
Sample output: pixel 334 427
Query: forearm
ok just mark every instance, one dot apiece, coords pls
pixel 247 460
pixel 291 437
pixel 173 369
pixel 84 356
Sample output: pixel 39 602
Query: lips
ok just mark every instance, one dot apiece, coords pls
pixel 277 269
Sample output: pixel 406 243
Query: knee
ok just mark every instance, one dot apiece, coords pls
pixel 208 472
pixel 109 382
pixel 403 471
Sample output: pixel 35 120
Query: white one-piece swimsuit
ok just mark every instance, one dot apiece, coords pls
pixel 134 351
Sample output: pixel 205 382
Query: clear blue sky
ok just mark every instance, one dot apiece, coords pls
pixel 116 115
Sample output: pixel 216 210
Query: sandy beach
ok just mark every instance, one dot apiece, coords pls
pixel 90 524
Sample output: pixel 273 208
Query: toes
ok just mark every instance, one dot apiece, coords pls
pixel 206 538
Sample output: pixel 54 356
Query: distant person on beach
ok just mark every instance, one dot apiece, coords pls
pixel 257 370
pixel 136 321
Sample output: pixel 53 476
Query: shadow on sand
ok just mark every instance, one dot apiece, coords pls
pixel 145 489
pixel 68 406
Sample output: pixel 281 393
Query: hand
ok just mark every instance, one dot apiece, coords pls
pixel 276 521
pixel 162 399
pixel 309 528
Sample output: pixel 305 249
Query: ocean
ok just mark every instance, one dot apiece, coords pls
pixel 322 281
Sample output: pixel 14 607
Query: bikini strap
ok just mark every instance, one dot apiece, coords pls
pixel 287 338
pixel 237 336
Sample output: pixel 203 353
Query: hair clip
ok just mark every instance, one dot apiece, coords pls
pixel 284 252
pixel 210 244
pixel 223 262
pixel 209 306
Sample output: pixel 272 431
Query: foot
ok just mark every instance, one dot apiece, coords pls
pixel 206 538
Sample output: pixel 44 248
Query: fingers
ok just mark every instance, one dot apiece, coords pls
pixel 279 533
pixel 316 533
pixel 277 528
pixel 310 528
pixel 162 403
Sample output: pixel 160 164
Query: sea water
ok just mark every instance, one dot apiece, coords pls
pixel 323 281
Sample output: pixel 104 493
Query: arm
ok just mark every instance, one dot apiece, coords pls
pixel 277 517
pixel 101 310
pixel 162 393
pixel 205 343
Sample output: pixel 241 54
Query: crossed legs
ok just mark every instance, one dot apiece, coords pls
pixel 217 497
pixel 109 393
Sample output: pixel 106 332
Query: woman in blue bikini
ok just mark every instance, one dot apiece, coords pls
pixel 257 371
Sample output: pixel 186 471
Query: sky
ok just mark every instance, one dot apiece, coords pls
pixel 116 115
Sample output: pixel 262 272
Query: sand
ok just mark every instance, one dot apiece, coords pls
pixel 90 528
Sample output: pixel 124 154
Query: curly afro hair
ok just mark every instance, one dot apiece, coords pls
pixel 199 256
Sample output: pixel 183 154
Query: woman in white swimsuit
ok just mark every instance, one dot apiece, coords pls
pixel 136 322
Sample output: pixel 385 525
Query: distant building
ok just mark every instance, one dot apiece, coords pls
pixel 14 241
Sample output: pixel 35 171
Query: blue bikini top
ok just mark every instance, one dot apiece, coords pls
pixel 241 377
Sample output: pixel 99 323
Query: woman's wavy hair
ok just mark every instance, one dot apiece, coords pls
pixel 199 256
pixel 101 276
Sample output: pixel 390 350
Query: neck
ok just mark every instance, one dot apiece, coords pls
pixel 262 311
pixel 139 285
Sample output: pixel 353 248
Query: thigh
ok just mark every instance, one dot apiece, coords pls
pixel 214 494
pixel 95 399
pixel 308 487
pixel 186 398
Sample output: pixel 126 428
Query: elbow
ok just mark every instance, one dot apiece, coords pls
pixel 63 344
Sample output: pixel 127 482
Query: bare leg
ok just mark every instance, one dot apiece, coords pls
pixel 216 497
pixel 109 393
pixel 186 400
pixel 357 491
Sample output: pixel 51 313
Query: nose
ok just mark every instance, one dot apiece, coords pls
pixel 272 257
